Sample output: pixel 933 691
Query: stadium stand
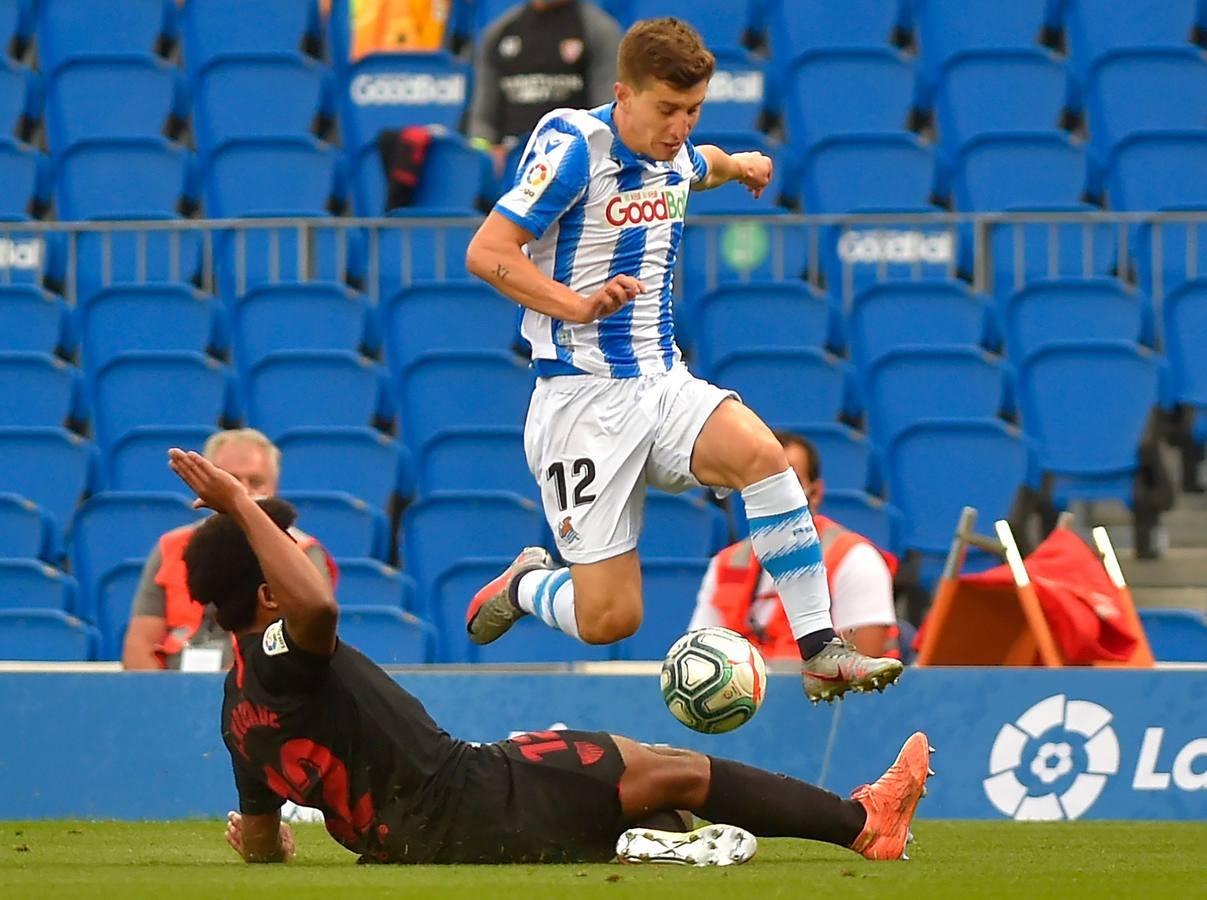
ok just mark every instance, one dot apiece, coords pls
pixel 150 89
pixel 32 320
pixel 844 92
pixel 790 388
pixel 72 29
pixel 477 459
pixel 893 315
pixel 25 530
pixel 361 462
pixel 349 526
pixel 43 390
pixel 315 388
pixel 117 320
pixel 386 634
pixel 258 95
pixel 30 584
pixel 50 467
pixel 369 582
pixel 47 635
pixel 272 318
pixel 137 461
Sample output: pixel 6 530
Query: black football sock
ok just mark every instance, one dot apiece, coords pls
pixel 811 644
pixel 770 805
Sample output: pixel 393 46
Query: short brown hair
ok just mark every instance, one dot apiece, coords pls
pixel 791 438
pixel 667 50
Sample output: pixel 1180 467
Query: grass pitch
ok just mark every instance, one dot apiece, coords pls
pixel 181 860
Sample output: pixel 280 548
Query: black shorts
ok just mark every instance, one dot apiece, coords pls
pixel 551 796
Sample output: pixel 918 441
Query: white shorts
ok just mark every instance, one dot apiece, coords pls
pixel 594 443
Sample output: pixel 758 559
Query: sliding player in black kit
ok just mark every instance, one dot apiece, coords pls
pixel 307 718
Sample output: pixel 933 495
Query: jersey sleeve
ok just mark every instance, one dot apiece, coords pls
pixel 283 668
pixel 255 798
pixel 554 176
pixel 699 163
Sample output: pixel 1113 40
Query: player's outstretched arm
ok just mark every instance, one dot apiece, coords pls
pixel 260 838
pixel 496 255
pixel 751 170
pixel 301 591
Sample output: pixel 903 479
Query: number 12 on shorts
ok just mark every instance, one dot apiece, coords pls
pixel 583 471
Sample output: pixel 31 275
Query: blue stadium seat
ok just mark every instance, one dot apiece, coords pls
pixel 410 253
pixel 257 95
pixel 270 177
pixel 1066 309
pixel 844 92
pixel 387 635
pixel 477 459
pixel 722 26
pixel 737 93
pixel 117 320
pixel 1046 169
pixel 112 603
pixel 16 21
pixel 25 530
pixel 30 584
pixel 32 320
pixel 762 315
pixel 138 460
pixel 370 582
pixel 1090 448
pixel 285 253
pixel 462 389
pixel 68 29
pixel 670 587
pixel 857 256
pixel 128 177
pixel 441 530
pixel 40 390
pixel 789 388
pixel 22 171
pixel 393 90
pixel 216 28
pixel 362 462
pixel 898 314
pixel 45 635
pixel 847 457
pixel 995 91
pixel 878 521
pixel 320 388
pixel 347 526
pixel 454 315
pixel 756 250
pixel 798 26
pixel 937 467
pixel 111 96
pixel 18 95
pixel 50 467
pixel 910 384
pixel 274 317
pixel 30 255
pixel 867 173
pixel 680 525
pixel 949 27
pixel 1095 27
pixel 1031 248
pixel 1176 635
pixel 150 387
pixel 456 179
pixel 1159 170
pixel 1185 314
pixel 111 528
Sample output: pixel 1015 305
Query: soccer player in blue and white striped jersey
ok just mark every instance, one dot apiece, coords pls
pixel 587 240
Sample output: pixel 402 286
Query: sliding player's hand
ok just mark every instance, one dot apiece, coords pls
pixel 216 489
pixel 234 836
pixel 754 171
pixel 611 297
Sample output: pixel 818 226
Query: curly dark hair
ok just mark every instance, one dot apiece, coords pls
pixel 223 570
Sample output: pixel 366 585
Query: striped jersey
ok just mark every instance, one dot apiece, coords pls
pixel 597 210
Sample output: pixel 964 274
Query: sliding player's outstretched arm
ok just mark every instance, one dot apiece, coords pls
pixel 305 599
pixel 752 170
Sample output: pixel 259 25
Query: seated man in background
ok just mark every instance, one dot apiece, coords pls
pixel 737 594
pixel 166 624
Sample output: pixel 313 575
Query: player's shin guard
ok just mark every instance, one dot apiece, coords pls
pixel 549 595
pixel 785 541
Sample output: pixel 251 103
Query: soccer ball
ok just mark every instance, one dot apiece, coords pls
pixel 713 680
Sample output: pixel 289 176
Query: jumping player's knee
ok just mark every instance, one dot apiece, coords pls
pixel 609 624
pixel 766 458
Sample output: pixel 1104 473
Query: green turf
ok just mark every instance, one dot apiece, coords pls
pixel 182 860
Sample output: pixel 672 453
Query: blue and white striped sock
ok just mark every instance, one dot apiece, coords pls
pixel 549 595
pixel 785 541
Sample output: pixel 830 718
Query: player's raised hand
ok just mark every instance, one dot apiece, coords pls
pixel 214 488
pixel 611 297
pixel 754 171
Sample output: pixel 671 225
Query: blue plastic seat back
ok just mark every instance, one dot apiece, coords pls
pixel 996 91
pixel 15 93
pixel 144 317
pixel 847 456
pixel 393 90
pixel 320 388
pixel 272 318
pixel 670 587
pixel 121 256
pixel 158 388
pixel 387 635
pixel 16 20
pixel 878 521
pixel 455 176
pixel 49 466
pixel 30 584
pixel 1176 635
pixel 761 315
pixel 257 95
pixel 755 250
pixel 798 26
pixel 99 97
pixel 281 254
pixel 948 27
pixel 1030 249
pixel 1063 411
pixel 457 389
pixel 894 315
pixel 1159 170
pixel 215 28
pixel 1045 170
pixel 454 315
pixel 31 319
pixel 19 178
pixel 1072 309
pixel 112 603
pixel 45 635
pixel 788 388
pixel 417 253
pixel 1185 333
pixel 1095 27
pixel 843 92
pixel 867 173
pixel 370 582
pixel 680 525
pixel 72 28
pixel 720 25
pixel 115 177
pixel 362 462
pixel 345 525
pixel 25 530
pixel 138 461
pixel 936 468
pixel 270 176
pixel 477 459
pixel 40 389
pixel 737 93
pixel 915 383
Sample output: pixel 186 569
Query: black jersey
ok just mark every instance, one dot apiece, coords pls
pixel 339 734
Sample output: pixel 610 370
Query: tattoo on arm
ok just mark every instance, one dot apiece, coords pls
pixel 501 271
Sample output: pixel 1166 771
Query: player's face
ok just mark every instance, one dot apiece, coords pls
pixel 250 464
pixel 660 117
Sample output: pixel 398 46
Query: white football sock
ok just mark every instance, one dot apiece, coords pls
pixel 549 595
